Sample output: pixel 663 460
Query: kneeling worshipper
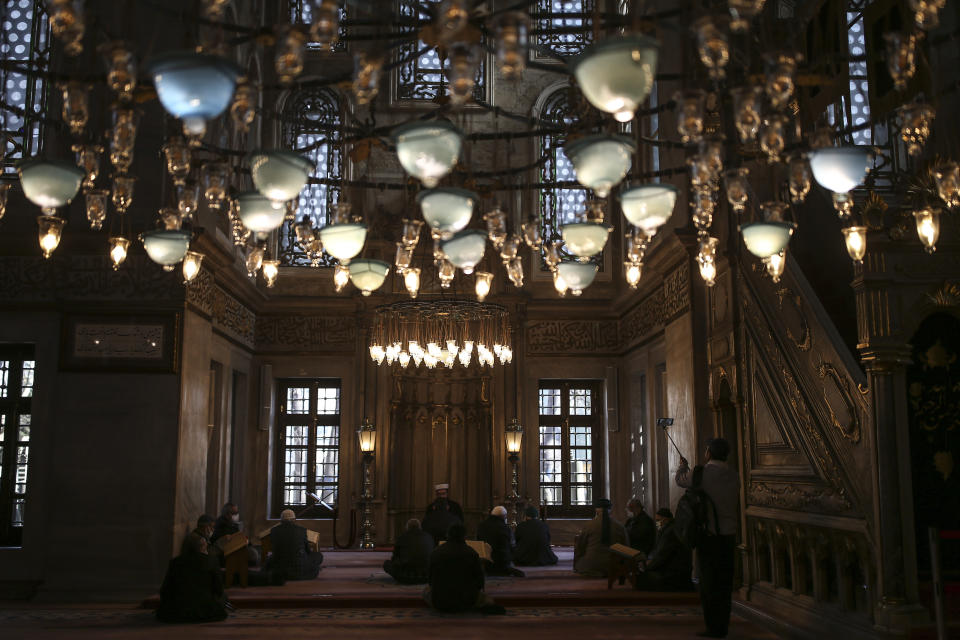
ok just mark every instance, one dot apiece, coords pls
pixel 456 577
pixel 192 590
pixel 640 527
pixel 591 550
pixel 533 541
pixel 228 524
pixel 441 514
pixel 291 557
pixel 205 530
pixel 411 555
pixel 669 565
pixel 495 532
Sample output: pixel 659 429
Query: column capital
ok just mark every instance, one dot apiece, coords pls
pixel 880 357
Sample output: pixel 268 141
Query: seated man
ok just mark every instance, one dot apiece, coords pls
pixel 591 555
pixel 670 564
pixel 456 577
pixel 441 514
pixel 533 541
pixel 205 530
pixel 229 524
pixel 411 555
pixel 495 532
pixel 292 558
pixel 640 527
pixel 192 590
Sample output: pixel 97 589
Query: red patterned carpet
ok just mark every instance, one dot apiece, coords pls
pixel 353 598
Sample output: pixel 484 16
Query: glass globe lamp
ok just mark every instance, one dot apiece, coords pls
pixel 576 276
pixel 465 249
pixel 166 247
pixel 616 75
pixel 855 237
pixel 118 251
pixel 446 209
pixel 428 150
pixel 279 175
pixel 368 275
pixel 258 213
pixel 764 239
pixel 928 227
pixel 191 266
pixel 194 87
pixel 648 206
pixel 50 184
pixel 600 162
pixel 840 169
pixel 483 282
pixel 344 241
pixel 585 239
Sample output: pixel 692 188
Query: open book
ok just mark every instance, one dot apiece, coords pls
pixel 482 548
pixel 627 552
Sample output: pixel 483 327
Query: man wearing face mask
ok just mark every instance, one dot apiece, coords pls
pixel 205 530
pixel 229 524
pixel 643 534
pixel 669 565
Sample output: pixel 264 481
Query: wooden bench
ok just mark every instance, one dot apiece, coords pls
pixel 624 564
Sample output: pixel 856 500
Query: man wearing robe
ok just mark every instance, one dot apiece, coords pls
pixel 591 550
pixel 292 557
pixel 670 563
pixel 205 530
pixel 192 590
pixel 495 532
pixel 640 527
pixel 411 555
pixel 228 524
pixel 441 514
pixel 456 577
pixel 533 541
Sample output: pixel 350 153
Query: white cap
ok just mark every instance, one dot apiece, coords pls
pixel 499 511
pixel 288 514
pixel 442 485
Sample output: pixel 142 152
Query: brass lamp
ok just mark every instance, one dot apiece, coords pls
pixel 513 437
pixel 367 435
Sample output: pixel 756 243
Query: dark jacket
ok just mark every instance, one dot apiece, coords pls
pixel 456 577
pixel 291 553
pixel 412 551
pixel 495 532
pixel 671 559
pixel 440 516
pixel 192 591
pixel 642 532
pixel 224 526
pixel 533 544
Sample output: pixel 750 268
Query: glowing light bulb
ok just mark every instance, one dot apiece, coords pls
pixel 928 227
pixel 856 241
pixel 341 276
pixel 191 265
pixel 632 272
pixel 411 280
pixel 118 250
pixel 483 283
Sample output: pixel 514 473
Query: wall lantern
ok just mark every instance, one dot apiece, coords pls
pixel 367 435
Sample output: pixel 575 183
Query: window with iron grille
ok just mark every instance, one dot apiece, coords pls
pixel 25 43
pixel 570 446
pixel 854 106
pixel 17 368
pixel 564 35
pixel 301 12
pixel 558 205
pixel 423 76
pixel 308 446
pixel 311 124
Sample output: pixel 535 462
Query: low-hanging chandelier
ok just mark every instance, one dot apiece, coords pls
pixel 441 333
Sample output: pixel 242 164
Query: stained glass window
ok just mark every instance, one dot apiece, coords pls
pixel 311 124
pixel 570 428
pixel 567 35
pixel 24 40
pixel 309 446
pixel 558 205
pixel 423 77
pixel 17 368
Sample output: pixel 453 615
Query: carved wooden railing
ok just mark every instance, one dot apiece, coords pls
pixel 808 472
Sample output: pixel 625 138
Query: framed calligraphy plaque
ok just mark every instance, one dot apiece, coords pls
pixel 135 343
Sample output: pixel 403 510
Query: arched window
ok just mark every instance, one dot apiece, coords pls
pixel 25 40
pixel 311 125
pixel 301 12
pixel 558 205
